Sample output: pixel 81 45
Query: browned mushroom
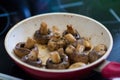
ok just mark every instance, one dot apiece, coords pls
pixel 29 43
pixel 77 54
pixel 20 51
pixel 70 49
pixel 72 31
pixel 83 41
pixel 54 45
pixel 69 38
pixel 57 61
pixel 79 57
pixel 77 65
pixel 24 48
pixel 100 47
pixel 97 52
pixel 56 42
pixel 32 58
pixel 43 35
pixel 61 51
pixel 78 51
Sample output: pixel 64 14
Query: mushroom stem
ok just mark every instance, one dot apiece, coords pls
pixel 55 57
pixel 70 29
pixel 70 49
pixel 56 36
pixel 33 55
pixel 29 43
pixel 44 28
pixel 55 29
pixel 87 44
pixel 70 38
pixel 80 48
pixel 61 51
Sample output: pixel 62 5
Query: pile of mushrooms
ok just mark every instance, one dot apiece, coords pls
pixel 28 52
pixel 67 50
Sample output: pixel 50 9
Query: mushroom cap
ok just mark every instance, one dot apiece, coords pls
pixel 37 62
pixel 72 31
pixel 76 35
pixel 79 57
pixel 20 51
pixel 95 55
pixel 62 65
pixel 42 39
pixel 32 57
pixel 77 65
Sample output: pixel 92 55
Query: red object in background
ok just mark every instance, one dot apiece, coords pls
pixel 112 70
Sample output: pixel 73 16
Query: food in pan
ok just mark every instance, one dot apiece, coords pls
pixel 52 49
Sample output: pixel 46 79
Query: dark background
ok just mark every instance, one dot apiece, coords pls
pixel 12 11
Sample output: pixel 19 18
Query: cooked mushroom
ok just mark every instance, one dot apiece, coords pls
pixel 77 65
pixel 56 36
pixel 72 31
pixel 79 57
pixel 32 58
pixel 43 35
pixel 57 61
pixel 20 51
pixel 33 55
pixel 97 52
pixel 77 54
pixel 29 43
pixel 52 45
pixel 70 49
pixel 24 48
pixel 69 38
pixel 44 29
pixel 60 51
pixel 55 57
pixel 100 47
pixel 56 42
pixel 55 28
pixel 86 43
pixel 61 43
pixel 80 48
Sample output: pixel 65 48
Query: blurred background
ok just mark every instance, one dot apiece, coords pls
pixel 12 11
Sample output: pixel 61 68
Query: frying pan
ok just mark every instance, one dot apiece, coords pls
pixel 85 26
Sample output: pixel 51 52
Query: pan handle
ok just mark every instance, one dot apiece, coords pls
pixel 109 69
